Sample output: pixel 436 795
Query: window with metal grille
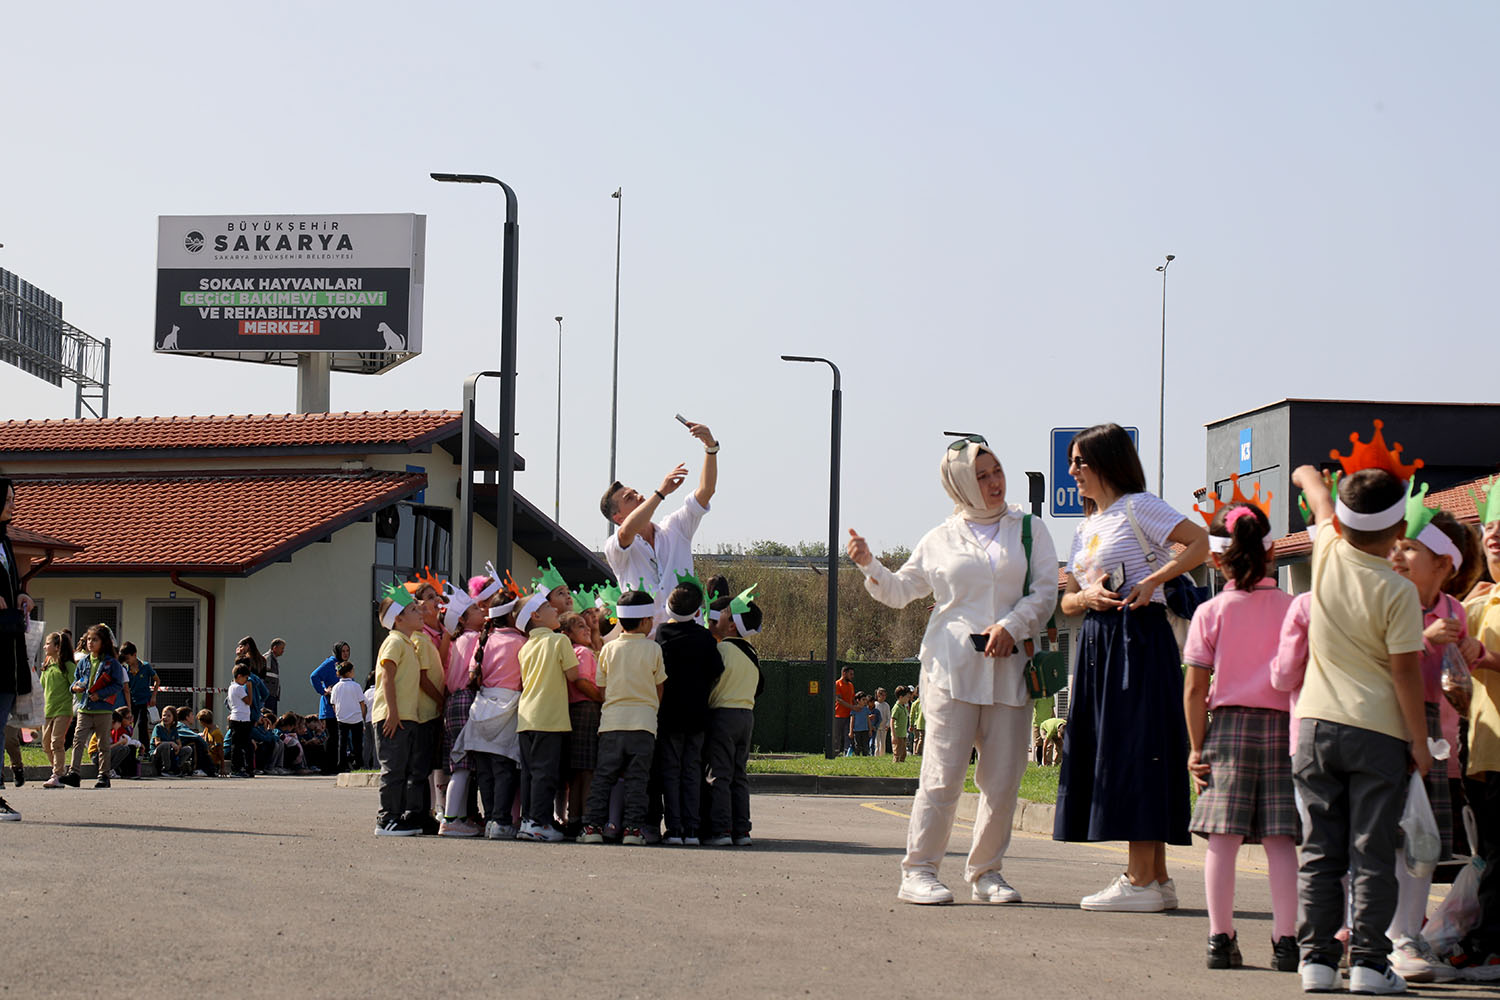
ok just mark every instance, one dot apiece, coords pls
pixel 172 648
pixel 86 614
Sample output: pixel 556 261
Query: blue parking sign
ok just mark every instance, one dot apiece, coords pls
pixel 1247 465
pixel 1065 500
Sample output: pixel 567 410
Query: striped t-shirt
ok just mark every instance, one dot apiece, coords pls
pixel 1105 540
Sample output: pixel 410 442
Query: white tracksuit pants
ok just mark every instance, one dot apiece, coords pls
pixel 1002 735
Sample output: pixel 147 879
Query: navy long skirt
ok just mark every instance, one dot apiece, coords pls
pixel 1124 766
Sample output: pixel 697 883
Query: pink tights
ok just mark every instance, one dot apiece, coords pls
pixel 1218 882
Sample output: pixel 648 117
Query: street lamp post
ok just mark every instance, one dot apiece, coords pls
pixel 1161 411
pixel 831 669
pixel 557 474
pixel 614 391
pixel 505 475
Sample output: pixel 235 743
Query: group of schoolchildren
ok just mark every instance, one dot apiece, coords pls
pixel 877 726
pixel 551 714
pixel 1305 716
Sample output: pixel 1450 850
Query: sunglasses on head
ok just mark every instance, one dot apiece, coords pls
pixel 967 440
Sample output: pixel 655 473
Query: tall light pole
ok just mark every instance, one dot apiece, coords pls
pixel 557 472
pixel 831 670
pixel 614 391
pixel 505 475
pixel 1161 411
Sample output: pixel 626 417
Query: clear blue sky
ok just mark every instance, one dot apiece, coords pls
pixel 962 204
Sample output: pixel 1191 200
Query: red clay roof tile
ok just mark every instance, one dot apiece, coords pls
pixel 269 430
pixel 229 523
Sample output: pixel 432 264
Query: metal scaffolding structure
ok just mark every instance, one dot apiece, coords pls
pixel 36 339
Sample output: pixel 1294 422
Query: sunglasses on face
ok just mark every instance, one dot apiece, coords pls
pixel 1077 463
pixel 963 442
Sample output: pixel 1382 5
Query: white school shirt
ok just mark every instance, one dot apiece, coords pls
pixel 972 589
pixel 1105 540
pixel 238 710
pixel 346 697
pixel 657 564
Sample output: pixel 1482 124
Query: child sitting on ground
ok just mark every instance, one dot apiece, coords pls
pixel 1361 721
pixel 631 675
pixel 166 748
pixel 215 741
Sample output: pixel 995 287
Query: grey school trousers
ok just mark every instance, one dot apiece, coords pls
pixel 1353 782
pixel 399 780
pixel 623 753
pixel 729 731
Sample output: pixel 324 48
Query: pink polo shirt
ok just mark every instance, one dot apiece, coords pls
pixel 588 669
pixel 1235 636
pixel 1290 665
pixel 1447 606
pixel 460 659
pixel 501 666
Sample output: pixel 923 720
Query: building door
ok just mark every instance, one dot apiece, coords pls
pixel 86 614
pixel 172 648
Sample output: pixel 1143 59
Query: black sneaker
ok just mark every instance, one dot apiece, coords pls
pixel 72 779
pixel 1224 951
pixel 1284 954
pixel 19 773
pixel 396 828
pixel 7 814
pixel 102 782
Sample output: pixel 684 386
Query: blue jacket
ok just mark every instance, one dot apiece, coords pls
pixel 258 695
pixel 109 695
pixel 324 677
pixel 261 734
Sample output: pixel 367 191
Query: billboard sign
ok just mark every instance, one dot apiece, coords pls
pixel 1065 499
pixel 227 284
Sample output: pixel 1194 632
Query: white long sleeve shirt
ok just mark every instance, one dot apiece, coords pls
pixel 974 588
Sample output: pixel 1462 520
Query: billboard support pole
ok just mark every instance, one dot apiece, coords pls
pixel 314 373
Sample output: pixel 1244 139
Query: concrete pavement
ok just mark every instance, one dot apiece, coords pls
pixel 277 886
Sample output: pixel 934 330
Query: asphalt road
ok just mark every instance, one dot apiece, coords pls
pixel 277 887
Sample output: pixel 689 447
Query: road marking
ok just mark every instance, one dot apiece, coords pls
pixel 1247 867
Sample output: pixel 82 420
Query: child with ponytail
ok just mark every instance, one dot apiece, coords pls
pixel 489 736
pixel 1239 764
pixel 463 618
pixel 1440 556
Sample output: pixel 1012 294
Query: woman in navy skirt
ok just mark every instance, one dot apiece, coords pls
pixel 1124 768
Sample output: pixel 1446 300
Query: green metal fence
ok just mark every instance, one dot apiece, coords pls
pixel 790 718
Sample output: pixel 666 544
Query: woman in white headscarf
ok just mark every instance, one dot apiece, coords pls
pixel 975 567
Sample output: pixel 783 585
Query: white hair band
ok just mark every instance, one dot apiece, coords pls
pixel 1437 540
pixel 1378 521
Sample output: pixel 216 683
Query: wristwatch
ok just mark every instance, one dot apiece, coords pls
pixel 712 451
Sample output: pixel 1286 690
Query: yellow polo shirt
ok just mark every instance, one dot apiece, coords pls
pixel 432 669
pixel 401 651
pixel 1363 612
pixel 545 659
pixel 630 667
pixel 1484 706
pixel 736 686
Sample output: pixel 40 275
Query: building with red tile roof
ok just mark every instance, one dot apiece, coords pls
pixel 187 533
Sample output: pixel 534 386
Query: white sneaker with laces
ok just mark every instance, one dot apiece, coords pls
pixel 672 841
pixel 1121 896
pixel 538 832
pixel 7 814
pixel 991 887
pixel 1168 891
pixel 1363 979
pixel 924 889
pixel 1414 961
pixel 1319 978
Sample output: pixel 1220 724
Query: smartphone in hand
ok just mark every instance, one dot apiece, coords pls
pixel 684 421
pixel 1116 579
pixel 980 640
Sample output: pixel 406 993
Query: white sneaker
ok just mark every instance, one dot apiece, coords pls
pixel 457 828
pixel 991 887
pixel 743 840
pixel 672 841
pixel 538 832
pixel 1319 978
pixel 53 782
pixel 1363 979
pixel 7 814
pixel 1168 890
pixel 690 841
pixel 924 889
pixel 1121 896
pixel 1416 962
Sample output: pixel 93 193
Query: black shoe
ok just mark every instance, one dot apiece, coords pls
pixel 102 782
pixel 19 773
pixel 1224 951
pixel 72 779
pixel 1284 954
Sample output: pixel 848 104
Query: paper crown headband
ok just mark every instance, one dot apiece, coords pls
pixel 489 589
pixel 550 579
pixel 645 607
pixel 738 604
pixel 585 598
pixel 529 607
pixel 1419 526
pixel 605 599
pixel 1488 508
pixel 401 599
pixel 1375 455
pixel 692 578
pixel 1220 543
pixel 458 601
pixel 425 579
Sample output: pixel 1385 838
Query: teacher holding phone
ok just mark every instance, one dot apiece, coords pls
pixel 1125 748
pixel 975 567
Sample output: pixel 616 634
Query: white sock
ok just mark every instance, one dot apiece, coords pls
pixel 458 794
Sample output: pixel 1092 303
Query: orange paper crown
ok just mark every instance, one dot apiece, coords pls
pixel 1237 497
pixel 425 579
pixel 1375 455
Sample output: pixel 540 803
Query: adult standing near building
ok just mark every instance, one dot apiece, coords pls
pixel 975 566
pixel 324 676
pixel 642 551
pixel 1125 747
pixel 15 612
pixel 273 673
pixel 843 704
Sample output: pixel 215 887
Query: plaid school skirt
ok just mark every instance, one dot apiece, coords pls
pixel 1439 791
pixel 1249 791
pixel 455 715
pixel 583 741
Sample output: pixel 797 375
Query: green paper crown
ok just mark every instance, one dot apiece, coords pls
pixel 610 595
pixel 693 579
pixel 550 579
pixel 398 593
pixel 1306 511
pixel 740 603
pixel 1489 508
pixel 1418 514
pixel 583 598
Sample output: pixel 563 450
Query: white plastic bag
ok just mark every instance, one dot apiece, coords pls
pixel 1424 844
pixel 1459 911
pixel 29 711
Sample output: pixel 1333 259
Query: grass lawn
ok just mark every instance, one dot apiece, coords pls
pixel 1039 784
